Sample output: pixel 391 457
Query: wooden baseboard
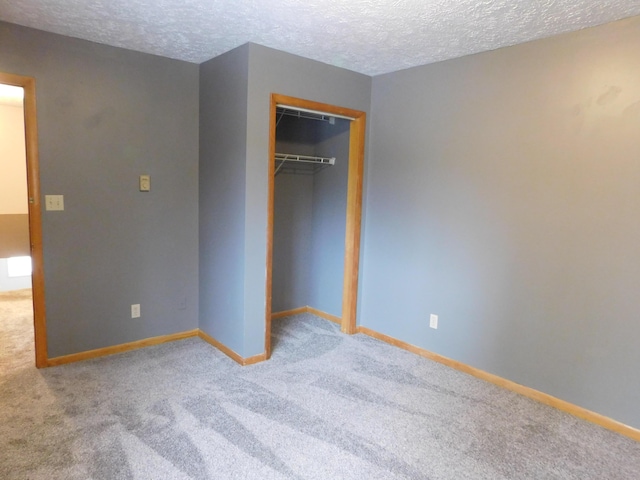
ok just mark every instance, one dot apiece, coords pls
pixel 288 313
pixel 125 347
pixel 325 315
pixel 541 397
pixel 230 353
pixel 307 309
pixel 147 342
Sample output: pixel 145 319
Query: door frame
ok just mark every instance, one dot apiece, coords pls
pixel 353 211
pixel 35 214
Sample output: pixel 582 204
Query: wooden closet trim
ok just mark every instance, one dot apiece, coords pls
pixel 353 211
pixel 35 214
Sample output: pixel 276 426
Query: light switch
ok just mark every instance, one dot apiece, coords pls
pixel 54 202
pixel 145 183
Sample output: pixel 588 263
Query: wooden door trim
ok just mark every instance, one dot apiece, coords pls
pixel 353 211
pixel 35 213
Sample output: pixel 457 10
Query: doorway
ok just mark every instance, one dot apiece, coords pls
pixel 357 124
pixel 34 210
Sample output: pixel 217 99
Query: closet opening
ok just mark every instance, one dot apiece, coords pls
pixel 20 216
pixel 316 154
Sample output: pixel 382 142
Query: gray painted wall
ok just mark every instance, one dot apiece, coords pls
pixel 223 139
pixel 503 195
pixel 310 218
pixel 271 71
pixel 329 220
pixel 105 116
pixel 292 218
pixel 292 241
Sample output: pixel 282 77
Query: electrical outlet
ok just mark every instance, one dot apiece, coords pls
pixel 54 202
pixel 433 321
pixel 135 310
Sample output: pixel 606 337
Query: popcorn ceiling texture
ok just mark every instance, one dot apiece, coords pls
pixel 367 36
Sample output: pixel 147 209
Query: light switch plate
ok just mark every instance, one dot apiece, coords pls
pixel 54 202
pixel 145 183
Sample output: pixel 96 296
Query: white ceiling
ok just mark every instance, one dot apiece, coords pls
pixel 367 36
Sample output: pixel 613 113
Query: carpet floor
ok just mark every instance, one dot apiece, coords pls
pixel 326 406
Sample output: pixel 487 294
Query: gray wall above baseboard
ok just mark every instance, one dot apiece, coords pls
pixel 503 196
pixel 501 193
pixel 272 71
pixel 310 218
pixel 105 116
pixel 330 220
pixel 223 145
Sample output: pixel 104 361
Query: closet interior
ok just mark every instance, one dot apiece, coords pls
pixel 309 217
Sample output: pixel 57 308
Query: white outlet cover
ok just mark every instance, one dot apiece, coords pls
pixel 54 202
pixel 433 321
pixel 135 310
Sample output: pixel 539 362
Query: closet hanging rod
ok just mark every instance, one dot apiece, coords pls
pixel 306 115
pixel 308 110
pixel 289 157
pixel 303 159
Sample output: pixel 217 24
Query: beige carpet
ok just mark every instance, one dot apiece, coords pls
pixel 16 331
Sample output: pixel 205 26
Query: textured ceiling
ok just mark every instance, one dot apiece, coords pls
pixel 367 36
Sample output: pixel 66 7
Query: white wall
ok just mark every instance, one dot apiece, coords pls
pixel 13 180
pixel 13 165
pixel 12 283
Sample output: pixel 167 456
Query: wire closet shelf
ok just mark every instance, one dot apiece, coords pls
pixel 301 164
